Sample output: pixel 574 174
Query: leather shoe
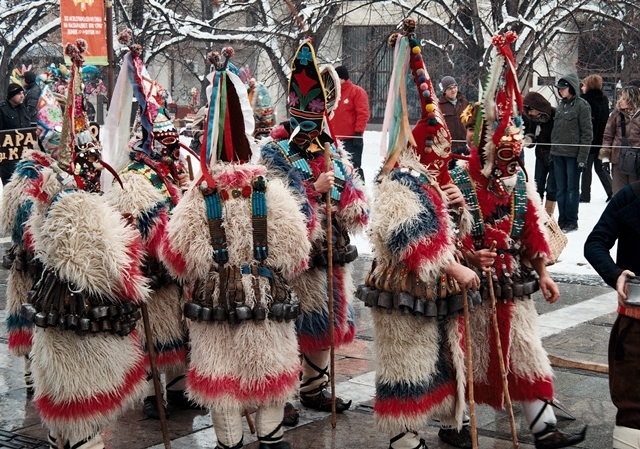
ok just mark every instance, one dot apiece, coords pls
pixel 280 445
pixel 422 445
pixel 456 438
pixel 150 408
pixel 291 415
pixel 570 227
pixel 322 402
pixel 552 438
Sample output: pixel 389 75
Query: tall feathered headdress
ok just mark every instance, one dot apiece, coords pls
pixel 79 154
pixel 430 136
pixel 499 134
pixel 229 118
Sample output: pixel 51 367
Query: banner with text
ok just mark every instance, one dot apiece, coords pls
pixel 14 141
pixel 84 19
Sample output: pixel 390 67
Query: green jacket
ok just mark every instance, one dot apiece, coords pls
pixel 572 125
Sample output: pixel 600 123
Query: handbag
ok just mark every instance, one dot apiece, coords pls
pixel 629 160
pixel 557 239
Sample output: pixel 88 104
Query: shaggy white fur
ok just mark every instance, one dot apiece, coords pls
pixel 99 366
pixel 138 195
pixel 19 284
pixel 528 357
pixel 87 242
pixel 480 324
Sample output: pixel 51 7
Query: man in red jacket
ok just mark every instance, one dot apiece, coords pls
pixel 351 117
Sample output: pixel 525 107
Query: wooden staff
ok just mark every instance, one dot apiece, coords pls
pixel 190 168
pixel 154 373
pixel 247 415
pixel 327 168
pixel 467 337
pixel 298 19
pixel 503 371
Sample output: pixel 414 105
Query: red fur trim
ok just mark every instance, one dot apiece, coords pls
pixel 132 276
pixel 172 258
pixel 307 343
pixel 267 389
pixel 101 403
pixel 34 189
pixel 238 175
pixel 397 408
pixel 169 359
pixel 153 245
pixel 28 241
pixel 279 133
pixel 533 236
pixel 20 341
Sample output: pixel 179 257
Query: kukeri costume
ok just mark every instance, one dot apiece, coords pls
pixel 507 210
pixel 235 240
pixel 296 156
pixel 88 364
pixel 150 190
pixel 420 372
pixel 16 209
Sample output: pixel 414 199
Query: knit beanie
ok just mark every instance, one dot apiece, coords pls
pixel 447 81
pixel 29 77
pixel 13 90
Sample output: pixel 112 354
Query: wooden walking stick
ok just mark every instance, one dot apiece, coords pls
pixel 190 168
pixel 467 338
pixel 327 168
pixel 503 371
pixel 154 373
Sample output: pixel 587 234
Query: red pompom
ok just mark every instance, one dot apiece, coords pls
pixel 246 191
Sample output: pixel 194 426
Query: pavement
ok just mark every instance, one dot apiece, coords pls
pixel 575 328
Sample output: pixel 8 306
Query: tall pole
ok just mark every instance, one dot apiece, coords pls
pixel 108 8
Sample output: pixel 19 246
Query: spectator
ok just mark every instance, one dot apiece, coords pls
pixel 32 95
pixel 628 107
pixel 571 139
pixel 620 222
pixel 592 92
pixel 452 103
pixel 538 124
pixel 13 115
pixel 351 117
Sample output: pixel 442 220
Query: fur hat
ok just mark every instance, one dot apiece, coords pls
pixel 430 136
pixel 13 89
pixel 307 97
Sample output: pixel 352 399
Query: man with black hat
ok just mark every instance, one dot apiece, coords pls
pixel 351 117
pixel 452 103
pixel 13 115
pixel 31 94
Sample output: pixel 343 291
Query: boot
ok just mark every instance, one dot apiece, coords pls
pixel 313 393
pixel 150 408
pixel 269 427
pixel 291 415
pixel 28 377
pixel 94 442
pixel 626 438
pixel 280 445
pixel 407 440
pixel 457 438
pixel 228 427
pixel 550 207
pixel 543 427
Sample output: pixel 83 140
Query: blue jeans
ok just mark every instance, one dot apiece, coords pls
pixel 567 188
pixel 545 179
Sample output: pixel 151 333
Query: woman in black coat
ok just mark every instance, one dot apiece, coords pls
pixel 592 92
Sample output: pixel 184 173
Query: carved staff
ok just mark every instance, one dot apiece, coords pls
pixel 327 168
pixel 154 373
pixel 503 371
pixel 467 338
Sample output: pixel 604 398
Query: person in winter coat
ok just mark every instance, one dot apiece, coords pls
pixel 628 107
pixel 31 95
pixel 592 92
pixel 571 140
pixel 538 121
pixel 351 117
pixel 620 222
pixel 13 115
pixel 452 103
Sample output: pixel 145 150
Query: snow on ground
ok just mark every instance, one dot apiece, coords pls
pixel 571 261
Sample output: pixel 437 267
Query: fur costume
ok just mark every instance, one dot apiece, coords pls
pixel 16 209
pixel 88 364
pixel 530 374
pixel 351 215
pixel 149 194
pixel 84 382
pixel 235 367
pixel 420 362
